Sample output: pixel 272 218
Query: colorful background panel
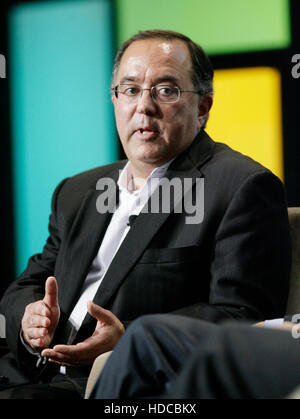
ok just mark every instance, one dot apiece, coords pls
pixel 246 114
pixel 62 119
pixel 219 26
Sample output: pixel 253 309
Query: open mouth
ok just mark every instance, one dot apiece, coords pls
pixel 147 131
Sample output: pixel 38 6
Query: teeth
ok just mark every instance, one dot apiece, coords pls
pixel 142 131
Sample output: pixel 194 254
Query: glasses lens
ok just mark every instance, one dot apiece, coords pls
pixel 166 94
pixel 129 90
pixel 162 94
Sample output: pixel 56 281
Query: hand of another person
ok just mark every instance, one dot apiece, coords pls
pixel 41 318
pixel 107 333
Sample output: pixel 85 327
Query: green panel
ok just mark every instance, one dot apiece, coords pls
pixel 62 117
pixel 220 26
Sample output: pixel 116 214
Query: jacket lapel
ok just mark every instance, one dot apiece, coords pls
pixel 148 224
pixel 82 245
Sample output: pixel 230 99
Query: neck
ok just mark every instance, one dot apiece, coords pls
pixel 140 174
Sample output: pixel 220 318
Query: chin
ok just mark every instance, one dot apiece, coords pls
pixel 155 160
pixel 149 156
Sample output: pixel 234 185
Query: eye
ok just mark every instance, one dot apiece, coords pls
pixel 167 91
pixel 131 90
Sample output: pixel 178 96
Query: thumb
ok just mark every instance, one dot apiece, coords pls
pixel 100 314
pixel 51 290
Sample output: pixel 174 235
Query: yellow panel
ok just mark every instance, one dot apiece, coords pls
pixel 246 114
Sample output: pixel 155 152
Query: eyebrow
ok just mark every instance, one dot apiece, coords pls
pixel 167 78
pixel 158 80
pixel 127 79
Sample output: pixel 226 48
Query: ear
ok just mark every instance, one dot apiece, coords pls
pixel 204 105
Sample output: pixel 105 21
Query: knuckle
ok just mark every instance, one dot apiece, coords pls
pixel 41 307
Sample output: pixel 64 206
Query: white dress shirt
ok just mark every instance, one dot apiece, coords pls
pixel 273 322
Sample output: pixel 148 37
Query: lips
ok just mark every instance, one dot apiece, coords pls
pixel 147 132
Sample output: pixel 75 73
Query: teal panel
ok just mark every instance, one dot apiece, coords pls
pixel 62 118
pixel 220 26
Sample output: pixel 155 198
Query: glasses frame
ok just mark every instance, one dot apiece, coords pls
pixel 152 92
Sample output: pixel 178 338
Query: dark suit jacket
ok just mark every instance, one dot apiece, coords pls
pixel 235 264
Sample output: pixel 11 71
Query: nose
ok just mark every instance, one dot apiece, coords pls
pixel 146 104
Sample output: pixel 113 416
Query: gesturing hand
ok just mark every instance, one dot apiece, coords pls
pixel 108 331
pixel 41 317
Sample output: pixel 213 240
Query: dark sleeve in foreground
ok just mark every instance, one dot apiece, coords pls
pixel 174 357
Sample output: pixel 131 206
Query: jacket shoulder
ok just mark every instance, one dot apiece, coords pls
pixel 233 168
pixel 71 191
pixel 89 178
pixel 229 171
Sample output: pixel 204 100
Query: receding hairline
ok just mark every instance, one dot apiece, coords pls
pixel 201 68
pixel 157 40
pixel 154 39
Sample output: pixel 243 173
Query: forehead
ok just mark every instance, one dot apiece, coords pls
pixel 155 58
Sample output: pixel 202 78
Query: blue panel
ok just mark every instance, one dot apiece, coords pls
pixel 61 61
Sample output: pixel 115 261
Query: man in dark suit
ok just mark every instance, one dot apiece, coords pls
pixel 220 248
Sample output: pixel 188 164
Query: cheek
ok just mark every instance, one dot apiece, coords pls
pixel 122 115
pixel 173 117
pixel 182 120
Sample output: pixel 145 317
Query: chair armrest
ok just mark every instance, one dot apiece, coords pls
pixel 95 372
pixel 3 345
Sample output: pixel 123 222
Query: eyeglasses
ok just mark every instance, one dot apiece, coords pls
pixel 160 93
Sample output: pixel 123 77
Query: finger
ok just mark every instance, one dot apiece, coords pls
pixel 51 291
pixel 37 308
pixel 74 352
pixel 100 313
pixel 36 332
pixel 66 357
pixel 37 343
pixel 81 353
pixel 63 364
pixel 60 351
pixel 38 321
pixel 57 357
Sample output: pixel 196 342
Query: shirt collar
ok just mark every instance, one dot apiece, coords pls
pixel 125 181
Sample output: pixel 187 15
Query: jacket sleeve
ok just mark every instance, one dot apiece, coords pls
pixel 30 287
pixel 251 260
